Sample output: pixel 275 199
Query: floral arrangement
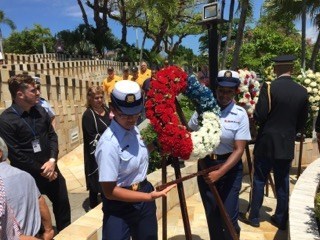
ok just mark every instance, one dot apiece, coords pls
pixel 173 137
pixel 207 138
pixel 201 96
pixel 269 74
pixel 311 81
pixel 249 90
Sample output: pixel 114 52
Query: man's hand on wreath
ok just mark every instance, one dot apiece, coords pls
pixel 212 177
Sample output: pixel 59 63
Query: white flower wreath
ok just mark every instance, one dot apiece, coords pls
pixel 207 138
pixel 249 90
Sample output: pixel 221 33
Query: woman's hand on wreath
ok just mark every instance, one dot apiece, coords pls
pixel 163 193
pixel 212 177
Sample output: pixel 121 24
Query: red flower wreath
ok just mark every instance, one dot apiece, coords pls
pixel 173 137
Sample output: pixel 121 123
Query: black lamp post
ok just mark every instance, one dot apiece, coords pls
pixel 211 18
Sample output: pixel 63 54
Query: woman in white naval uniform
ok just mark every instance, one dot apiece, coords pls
pixel 235 134
pixel 128 202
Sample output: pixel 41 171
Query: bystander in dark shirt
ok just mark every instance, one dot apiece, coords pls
pixel 21 130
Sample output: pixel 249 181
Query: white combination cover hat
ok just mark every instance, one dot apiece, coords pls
pixel 228 78
pixel 126 96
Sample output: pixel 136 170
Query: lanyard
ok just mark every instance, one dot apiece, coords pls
pixel 33 130
pixel 103 122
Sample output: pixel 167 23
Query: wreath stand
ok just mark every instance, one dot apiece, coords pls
pixel 183 205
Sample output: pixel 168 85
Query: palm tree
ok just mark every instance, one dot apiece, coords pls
pixel 316 47
pixel 295 9
pixel 7 21
pixel 228 40
pixel 246 10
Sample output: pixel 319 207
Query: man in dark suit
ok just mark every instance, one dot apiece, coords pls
pixel 281 112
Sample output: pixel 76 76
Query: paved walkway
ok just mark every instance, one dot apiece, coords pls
pixel 71 165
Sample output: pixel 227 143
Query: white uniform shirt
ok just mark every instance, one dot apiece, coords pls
pixel 234 126
pixel 43 103
pixel 121 156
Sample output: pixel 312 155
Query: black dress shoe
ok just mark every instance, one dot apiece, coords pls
pixel 276 224
pixel 243 218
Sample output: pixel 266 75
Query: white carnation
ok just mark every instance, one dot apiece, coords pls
pixel 307 81
pixel 313 84
pixel 311 75
pixel 309 89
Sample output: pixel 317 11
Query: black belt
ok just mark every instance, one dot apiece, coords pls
pixel 220 156
pixel 137 186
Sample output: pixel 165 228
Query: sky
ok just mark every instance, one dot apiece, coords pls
pixel 58 15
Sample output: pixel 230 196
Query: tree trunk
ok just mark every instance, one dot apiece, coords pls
pixel 315 52
pixel 84 15
pixel 157 41
pixel 124 23
pixel 228 40
pixel 239 38
pixel 303 34
pixel 223 3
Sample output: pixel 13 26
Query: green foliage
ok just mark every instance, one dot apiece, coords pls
pixel 317 206
pixel 30 41
pixel 82 41
pixel 186 106
pixel 128 53
pixel 263 43
pixel 165 23
pixel 149 135
pixel 184 57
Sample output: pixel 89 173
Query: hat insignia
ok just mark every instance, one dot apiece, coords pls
pixel 228 74
pixel 130 98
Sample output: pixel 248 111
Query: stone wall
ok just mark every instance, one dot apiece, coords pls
pixel 63 84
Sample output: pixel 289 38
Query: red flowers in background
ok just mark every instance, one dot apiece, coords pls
pixel 161 111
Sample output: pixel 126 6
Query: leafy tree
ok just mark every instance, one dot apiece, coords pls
pixel 165 23
pixel 30 41
pixel 263 43
pixel 246 10
pixel 316 47
pixel 228 39
pixel 184 57
pixel 101 28
pixel 81 40
pixel 294 9
pixel 124 12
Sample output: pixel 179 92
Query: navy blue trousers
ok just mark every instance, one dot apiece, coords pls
pixel 229 187
pixel 123 220
pixel 262 167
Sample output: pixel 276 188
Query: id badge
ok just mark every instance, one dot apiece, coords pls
pixel 36 146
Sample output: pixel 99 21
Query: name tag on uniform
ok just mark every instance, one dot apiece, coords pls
pixel 231 121
pixel 36 146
